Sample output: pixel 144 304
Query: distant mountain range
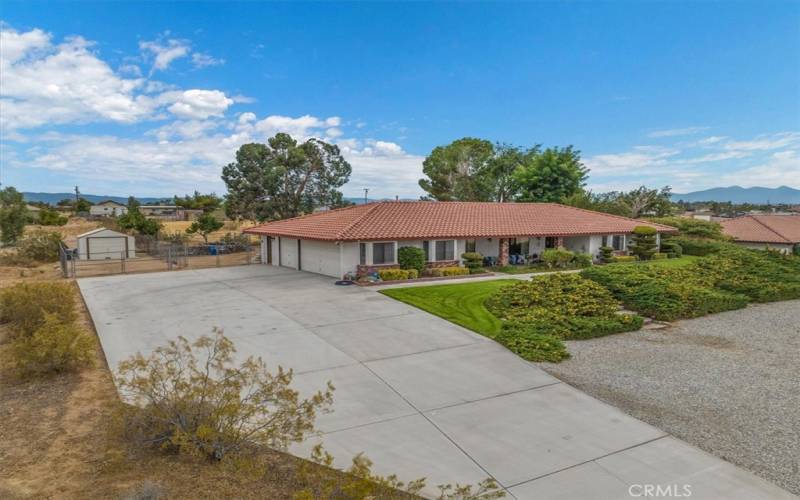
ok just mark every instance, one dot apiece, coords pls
pixel 737 194
pixel 53 198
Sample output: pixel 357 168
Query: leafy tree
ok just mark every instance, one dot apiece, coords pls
pixel 13 214
pixel 49 217
pixel 501 168
pixel 198 201
pixel 135 220
pixel 459 171
pixel 205 225
pixel 133 203
pixel 83 205
pixel 643 201
pixel 550 175
pixel 693 227
pixel 644 242
pixel 66 202
pixel 284 178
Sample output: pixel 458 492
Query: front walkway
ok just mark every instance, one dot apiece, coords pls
pixel 420 396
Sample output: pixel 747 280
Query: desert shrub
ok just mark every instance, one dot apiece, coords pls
pixel 235 241
pixel 397 274
pixel 672 248
pixel 582 260
pixel 526 342
pixel 54 347
pixel 39 246
pixel 473 261
pixel 25 305
pixel 448 271
pixel 192 399
pixel 411 258
pixel 643 242
pixel 606 255
pixel 694 228
pixel 625 258
pixel 564 306
pixel 557 257
pixel 176 237
pixel 49 217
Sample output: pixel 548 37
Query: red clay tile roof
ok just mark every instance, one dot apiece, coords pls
pixel 764 228
pixel 408 220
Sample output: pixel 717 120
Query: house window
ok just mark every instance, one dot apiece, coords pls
pixel 426 247
pixel 550 242
pixel 445 250
pixel 470 246
pixel 362 254
pixel 617 242
pixel 383 253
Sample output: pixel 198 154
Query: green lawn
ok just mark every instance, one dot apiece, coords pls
pixel 462 303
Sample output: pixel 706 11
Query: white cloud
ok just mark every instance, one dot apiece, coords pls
pixel 247 117
pixel 725 155
pixel 14 46
pixel 766 142
pixel 202 60
pixel 334 132
pixel 199 104
pixel 779 169
pixel 629 162
pixel 714 139
pixel 164 52
pixel 677 132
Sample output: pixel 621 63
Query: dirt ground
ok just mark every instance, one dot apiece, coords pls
pixel 171 227
pixel 57 439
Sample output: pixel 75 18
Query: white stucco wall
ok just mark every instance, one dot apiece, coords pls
pixel 785 248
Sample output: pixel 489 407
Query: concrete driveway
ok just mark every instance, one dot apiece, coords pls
pixel 420 396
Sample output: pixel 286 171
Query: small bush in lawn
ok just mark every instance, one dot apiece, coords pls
pixel 24 305
pixel 411 258
pixel 397 274
pixel 192 399
pixel 606 255
pixel 473 261
pixel 643 244
pixel 53 348
pixel 557 257
pixel 582 260
pixel 531 345
pixel 40 246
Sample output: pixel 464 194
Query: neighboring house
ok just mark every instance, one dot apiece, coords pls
pixel 188 213
pixel 108 208
pixel 159 211
pixel 102 244
pixel 362 238
pixel 779 232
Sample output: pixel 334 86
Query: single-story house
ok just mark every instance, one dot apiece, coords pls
pixel 156 211
pixel 362 238
pixel 779 232
pixel 102 244
pixel 108 208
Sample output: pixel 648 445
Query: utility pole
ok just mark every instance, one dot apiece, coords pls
pixel 77 196
pixel 366 191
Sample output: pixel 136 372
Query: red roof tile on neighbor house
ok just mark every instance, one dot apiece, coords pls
pixel 407 220
pixel 764 228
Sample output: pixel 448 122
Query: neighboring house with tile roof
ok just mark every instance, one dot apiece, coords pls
pixel 364 237
pixel 779 232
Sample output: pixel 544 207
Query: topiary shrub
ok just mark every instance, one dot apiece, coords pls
pixel 474 262
pixel 606 255
pixel 54 347
pixel 557 257
pixel 25 305
pixel 529 344
pixel 411 258
pixel 672 248
pixel 643 242
pixel 582 260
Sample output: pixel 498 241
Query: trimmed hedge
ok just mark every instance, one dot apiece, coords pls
pixel 699 247
pixel 448 271
pixel 524 341
pixel 398 274
pixel 411 258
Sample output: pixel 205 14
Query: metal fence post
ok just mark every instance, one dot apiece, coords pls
pixel 169 258
pixel 122 261
pixel 217 252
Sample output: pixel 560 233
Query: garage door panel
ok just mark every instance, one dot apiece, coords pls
pixel 320 257
pixel 289 252
pixel 106 248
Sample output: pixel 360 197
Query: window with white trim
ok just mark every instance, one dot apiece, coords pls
pixel 445 250
pixel 362 254
pixel 383 253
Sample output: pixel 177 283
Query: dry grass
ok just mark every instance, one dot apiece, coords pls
pixel 57 440
pixel 69 231
pixel 229 227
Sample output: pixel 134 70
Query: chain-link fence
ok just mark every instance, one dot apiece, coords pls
pixel 153 255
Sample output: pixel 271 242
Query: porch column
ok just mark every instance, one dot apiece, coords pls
pixel 502 258
pixel 560 242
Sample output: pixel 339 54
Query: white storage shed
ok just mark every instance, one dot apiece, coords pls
pixel 102 244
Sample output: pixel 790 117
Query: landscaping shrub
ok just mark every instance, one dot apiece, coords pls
pixel 672 248
pixel 699 247
pixel 192 399
pixel 562 305
pixel 25 305
pixel 397 274
pixel 659 255
pixel 49 217
pixel 625 258
pixel 448 271
pixel 643 242
pixel 606 255
pixel 695 228
pixel 474 262
pixel 411 258
pixel 54 347
pixel 39 246
pixel 527 343
pixel 557 257
pixel 582 260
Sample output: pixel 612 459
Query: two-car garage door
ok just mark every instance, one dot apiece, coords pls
pixel 315 256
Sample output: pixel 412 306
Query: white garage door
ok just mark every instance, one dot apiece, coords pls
pixel 106 247
pixel 320 257
pixel 289 252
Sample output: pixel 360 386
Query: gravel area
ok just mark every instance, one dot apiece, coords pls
pixel 728 383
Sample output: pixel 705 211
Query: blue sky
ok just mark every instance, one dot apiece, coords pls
pixel 153 99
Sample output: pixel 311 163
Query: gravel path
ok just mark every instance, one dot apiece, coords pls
pixel 728 383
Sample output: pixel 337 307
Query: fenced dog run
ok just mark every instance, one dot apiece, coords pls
pixel 153 255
